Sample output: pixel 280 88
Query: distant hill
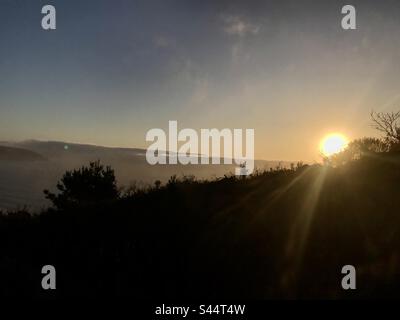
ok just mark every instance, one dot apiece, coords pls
pixel 79 153
pixel 60 149
pixel 18 154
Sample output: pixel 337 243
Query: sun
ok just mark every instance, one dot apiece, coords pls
pixel 333 143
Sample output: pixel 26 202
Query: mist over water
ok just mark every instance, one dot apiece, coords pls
pixel 23 178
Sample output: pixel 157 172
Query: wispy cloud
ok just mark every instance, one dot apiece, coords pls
pixel 237 26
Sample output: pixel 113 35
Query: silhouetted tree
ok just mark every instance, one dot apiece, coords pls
pixel 87 185
pixel 389 124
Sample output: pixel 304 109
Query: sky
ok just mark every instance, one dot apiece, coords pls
pixel 112 70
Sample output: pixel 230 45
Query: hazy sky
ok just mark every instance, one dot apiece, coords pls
pixel 114 69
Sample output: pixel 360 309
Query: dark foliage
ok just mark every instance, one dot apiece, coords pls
pixel 357 149
pixel 85 186
pixel 279 234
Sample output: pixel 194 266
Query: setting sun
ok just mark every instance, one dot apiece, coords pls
pixel 333 143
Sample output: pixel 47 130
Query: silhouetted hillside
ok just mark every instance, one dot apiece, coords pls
pixel 18 154
pixel 279 234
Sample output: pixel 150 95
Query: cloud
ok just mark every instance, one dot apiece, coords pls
pixel 236 26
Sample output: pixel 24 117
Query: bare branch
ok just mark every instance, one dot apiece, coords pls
pixel 387 123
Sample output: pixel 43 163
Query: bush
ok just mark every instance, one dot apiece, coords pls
pixel 85 186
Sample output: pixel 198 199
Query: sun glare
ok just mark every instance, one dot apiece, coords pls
pixel 333 143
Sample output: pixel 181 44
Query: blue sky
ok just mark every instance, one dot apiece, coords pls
pixel 114 69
